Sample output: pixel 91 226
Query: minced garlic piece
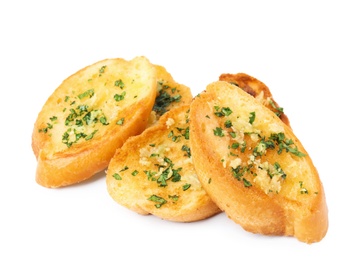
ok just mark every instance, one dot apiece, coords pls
pixel 169 122
pixel 267 183
pixel 236 162
pixel 276 128
pixel 144 161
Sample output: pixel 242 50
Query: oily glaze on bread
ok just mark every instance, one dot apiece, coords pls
pixel 89 116
pixel 153 173
pixel 258 90
pixel 254 167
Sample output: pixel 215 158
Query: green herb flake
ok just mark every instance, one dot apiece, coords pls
pixel 218 132
pixel 90 136
pixel 228 124
pixel 89 93
pixel 285 144
pixel 159 201
pixel 187 150
pixel 246 183
pixel 164 100
pixel 103 120
pixel 279 110
pixel 117 176
pixel 150 175
pixel 279 170
pixel 252 117
pixel 303 190
pixel 224 111
pixel 134 173
pixel 234 145
pixel 124 169
pixel 119 83
pixel 120 121
pixel 102 70
pixel 120 97
pixel 186 186
pixel 173 197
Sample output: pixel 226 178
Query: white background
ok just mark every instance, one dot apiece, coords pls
pixel 306 52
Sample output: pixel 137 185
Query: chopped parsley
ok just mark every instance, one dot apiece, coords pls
pixel 279 110
pixel 252 117
pixel 228 124
pixel 285 144
pixel 89 93
pixel 135 173
pixel 224 111
pixel 120 121
pixel 117 176
pixel 120 97
pixel 159 201
pixel 187 150
pixel 303 190
pixel 90 136
pixel 173 197
pixel 186 186
pixel 239 172
pixel 119 83
pixel 77 118
pixel 49 126
pixel 218 131
pixel 164 99
pixel 102 70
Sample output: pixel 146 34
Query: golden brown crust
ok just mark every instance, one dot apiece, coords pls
pixel 246 162
pixel 150 172
pixel 88 116
pixel 258 90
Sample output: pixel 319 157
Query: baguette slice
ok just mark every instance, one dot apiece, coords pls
pixel 88 116
pixel 153 173
pixel 258 90
pixel 170 94
pixel 253 166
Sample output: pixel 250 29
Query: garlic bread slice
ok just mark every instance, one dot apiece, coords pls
pixel 88 116
pixel 153 173
pixel 254 167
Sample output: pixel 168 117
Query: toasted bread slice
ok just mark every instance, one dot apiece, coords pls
pixel 153 173
pixel 170 94
pixel 88 116
pixel 258 90
pixel 254 167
